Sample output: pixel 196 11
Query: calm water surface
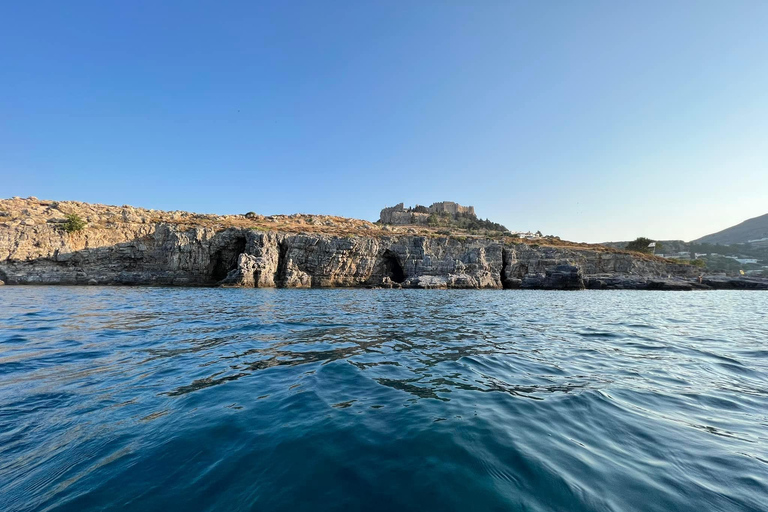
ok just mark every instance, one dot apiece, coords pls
pixel 226 399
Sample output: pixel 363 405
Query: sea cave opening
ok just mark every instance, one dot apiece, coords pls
pixel 225 259
pixel 392 267
pixel 505 282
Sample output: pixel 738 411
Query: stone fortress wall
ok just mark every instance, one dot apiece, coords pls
pixel 399 215
pixel 452 208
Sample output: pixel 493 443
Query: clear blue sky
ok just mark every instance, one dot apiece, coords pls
pixel 590 120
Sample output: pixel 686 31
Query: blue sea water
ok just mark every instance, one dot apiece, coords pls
pixel 231 399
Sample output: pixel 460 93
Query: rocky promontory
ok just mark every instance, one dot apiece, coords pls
pixel 123 245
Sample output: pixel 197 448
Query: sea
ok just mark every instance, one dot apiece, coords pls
pixel 181 399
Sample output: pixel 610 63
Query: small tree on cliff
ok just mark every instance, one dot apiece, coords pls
pixel 73 223
pixel 641 245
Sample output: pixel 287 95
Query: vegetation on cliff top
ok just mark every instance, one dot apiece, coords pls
pixel 642 244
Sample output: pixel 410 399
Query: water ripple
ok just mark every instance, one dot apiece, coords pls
pixel 175 399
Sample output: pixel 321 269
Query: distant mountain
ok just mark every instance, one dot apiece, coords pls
pixel 749 230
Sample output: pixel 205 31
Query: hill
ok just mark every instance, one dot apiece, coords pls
pixel 751 230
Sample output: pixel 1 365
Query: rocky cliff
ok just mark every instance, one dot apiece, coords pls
pixel 131 246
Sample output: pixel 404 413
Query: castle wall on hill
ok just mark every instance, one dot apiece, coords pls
pixel 400 215
pixel 452 208
pixel 388 214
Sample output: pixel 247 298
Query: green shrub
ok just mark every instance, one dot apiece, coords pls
pixel 641 245
pixel 73 223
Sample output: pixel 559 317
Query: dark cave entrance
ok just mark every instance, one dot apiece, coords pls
pixel 282 264
pixel 505 282
pixel 225 259
pixel 392 268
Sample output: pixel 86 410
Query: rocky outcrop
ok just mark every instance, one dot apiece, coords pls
pixel 560 277
pixel 140 251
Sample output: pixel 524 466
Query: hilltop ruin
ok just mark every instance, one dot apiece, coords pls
pixel 446 215
pixel 399 215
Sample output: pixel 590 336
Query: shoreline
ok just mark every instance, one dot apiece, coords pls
pixel 759 287
pixel 653 286
pixel 128 246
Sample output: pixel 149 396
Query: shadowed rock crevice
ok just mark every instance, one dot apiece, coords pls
pixel 392 267
pixel 512 270
pixel 505 281
pixel 292 271
pixel 225 259
pixel 282 264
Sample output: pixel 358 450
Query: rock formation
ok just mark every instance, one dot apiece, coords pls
pixel 130 246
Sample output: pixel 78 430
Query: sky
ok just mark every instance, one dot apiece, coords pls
pixel 589 120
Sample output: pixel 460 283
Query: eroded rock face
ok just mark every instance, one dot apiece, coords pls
pixel 559 277
pixel 167 255
pixel 129 248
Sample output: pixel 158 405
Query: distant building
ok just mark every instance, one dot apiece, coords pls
pixel 452 208
pixel 743 261
pixel 527 235
pixel 398 214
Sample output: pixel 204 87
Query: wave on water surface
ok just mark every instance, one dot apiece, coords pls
pixel 237 399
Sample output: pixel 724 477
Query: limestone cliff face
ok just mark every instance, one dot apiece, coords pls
pixel 146 248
